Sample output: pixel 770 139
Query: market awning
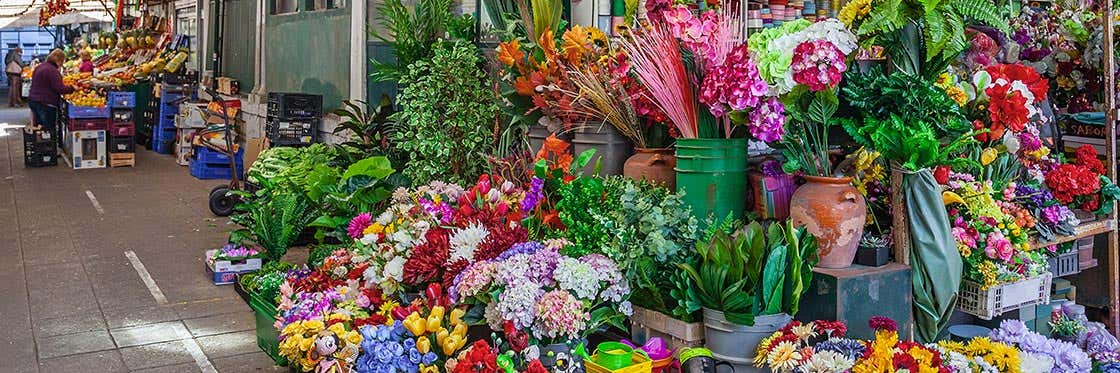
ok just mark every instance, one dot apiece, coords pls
pixel 74 18
pixel 31 18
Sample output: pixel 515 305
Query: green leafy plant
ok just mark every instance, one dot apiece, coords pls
pixel 369 127
pixel 805 144
pixel 913 143
pixel 753 272
pixel 274 221
pixel 361 187
pixel 266 281
pixel 411 31
pixel 447 113
pixel 1064 327
pixel 583 207
pixel 878 94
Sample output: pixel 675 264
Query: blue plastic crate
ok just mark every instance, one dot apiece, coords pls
pixel 168 111
pixel 163 147
pixel 165 135
pixel 207 155
pixel 166 97
pixel 121 100
pixel 84 112
pixel 213 171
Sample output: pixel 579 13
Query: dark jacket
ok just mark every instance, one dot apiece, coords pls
pixel 46 85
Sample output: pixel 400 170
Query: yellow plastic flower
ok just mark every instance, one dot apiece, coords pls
pixel 457 316
pixel 435 318
pixel 423 345
pixel 988 156
pixel 764 348
pixel 386 309
pixel 854 11
pixel 415 324
pixel 783 357
pixel 957 94
pixel 428 369
pixel 374 228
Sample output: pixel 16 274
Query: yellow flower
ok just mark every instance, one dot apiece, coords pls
pixel 764 348
pixel 415 324
pixel 783 357
pixel 428 369
pixel 374 228
pixel 423 345
pixel 964 250
pixel 386 308
pixel 957 94
pixel 854 11
pixel 988 156
pixel 435 318
pixel 804 331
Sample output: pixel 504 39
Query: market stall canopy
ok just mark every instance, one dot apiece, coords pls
pixel 73 18
pixel 31 18
pixel 23 13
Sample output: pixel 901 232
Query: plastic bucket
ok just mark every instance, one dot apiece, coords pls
pixel 268 338
pixel 612 149
pixel 613 355
pixel 712 174
pixel 737 344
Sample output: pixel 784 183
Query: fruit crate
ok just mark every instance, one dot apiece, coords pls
pixel 86 124
pixel 1064 264
pixel 994 301
pixel 294 105
pixel 122 144
pixel 121 100
pixel 292 132
pixel 122 159
pixel 122 129
pixel 78 112
pixel 268 338
pixel 646 324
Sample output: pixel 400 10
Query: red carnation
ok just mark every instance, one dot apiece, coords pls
pixel 518 339
pixel 536 367
pixel 882 323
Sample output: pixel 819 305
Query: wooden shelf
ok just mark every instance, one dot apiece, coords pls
pixel 1082 231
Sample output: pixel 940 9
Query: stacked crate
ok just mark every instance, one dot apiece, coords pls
pixel 293 119
pixel 122 129
pixel 40 149
pixel 212 164
pixel 164 131
pixel 83 135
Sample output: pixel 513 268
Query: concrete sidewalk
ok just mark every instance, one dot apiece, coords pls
pixel 73 301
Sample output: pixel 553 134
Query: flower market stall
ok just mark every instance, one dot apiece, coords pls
pixel 790 186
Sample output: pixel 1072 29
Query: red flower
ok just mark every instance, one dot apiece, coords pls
pixel 1012 72
pixel 452 270
pixel 834 329
pixel 789 327
pixel 882 323
pixel 480 359
pixel 1068 181
pixel 536 367
pixel 499 240
pixel 427 260
pixel 1087 156
pixel 1092 203
pixel 1007 109
pixel 941 174
pixel 903 360
pixel 374 319
pixel 518 339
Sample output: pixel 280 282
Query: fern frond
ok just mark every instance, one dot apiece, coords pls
pixel 983 11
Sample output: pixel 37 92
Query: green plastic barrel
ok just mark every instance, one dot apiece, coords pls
pixel 712 174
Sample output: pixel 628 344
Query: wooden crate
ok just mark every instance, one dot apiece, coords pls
pixel 647 324
pixel 122 159
pixel 228 86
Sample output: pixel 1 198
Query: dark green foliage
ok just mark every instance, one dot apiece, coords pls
pixel 411 32
pixel 274 221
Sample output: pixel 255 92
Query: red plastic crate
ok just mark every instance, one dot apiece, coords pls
pixel 122 129
pixel 86 124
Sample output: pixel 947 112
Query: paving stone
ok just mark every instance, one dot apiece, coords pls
pixel 101 362
pixel 83 322
pixel 220 324
pixel 177 368
pixel 148 334
pixel 73 344
pixel 124 318
pixel 229 344
pixel 157 355
pixel 193 310
pixel 252 362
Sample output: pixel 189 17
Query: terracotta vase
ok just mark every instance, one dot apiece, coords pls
pixel 833 211
pixel 653 164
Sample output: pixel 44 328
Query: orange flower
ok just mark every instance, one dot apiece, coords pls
pixel 510 53
pixel 548 45
pixel 578 41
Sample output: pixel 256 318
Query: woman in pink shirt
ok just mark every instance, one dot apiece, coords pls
pixel 86 66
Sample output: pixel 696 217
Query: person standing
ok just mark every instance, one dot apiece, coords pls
pixel 47 90
pixel 13 66
pixel 86 64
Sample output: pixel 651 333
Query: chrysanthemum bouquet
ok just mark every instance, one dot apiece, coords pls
pixel 995 249
pixel 817 346
pixel 1065 357
pixel 556 297
pixel 886 353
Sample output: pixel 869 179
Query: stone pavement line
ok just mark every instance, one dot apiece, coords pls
pixel 146 277
pixel 96 205
pixel 196 352
pixel 19 243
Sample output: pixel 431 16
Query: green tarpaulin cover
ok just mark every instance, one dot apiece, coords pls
pixel 934 259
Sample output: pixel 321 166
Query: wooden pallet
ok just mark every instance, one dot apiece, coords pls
pixel 122 159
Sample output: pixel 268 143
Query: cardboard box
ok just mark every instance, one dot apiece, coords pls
pixel 253 149
pixel 87 149
pixel 224 272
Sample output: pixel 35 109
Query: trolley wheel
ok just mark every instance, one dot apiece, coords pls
pixel 221 201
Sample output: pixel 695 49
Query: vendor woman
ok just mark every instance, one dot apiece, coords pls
pixel 86 64
pixel 47 90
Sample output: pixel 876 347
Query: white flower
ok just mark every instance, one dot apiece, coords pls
pixel 372 274
pixel 578 277
pixel 369 239
pixel 827 362
pixel 394 269
pixel 385 218
pixel 1035 363
pixel 626 308
pixel 1011 142
pixel 465 241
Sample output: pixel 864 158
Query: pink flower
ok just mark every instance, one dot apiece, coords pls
pixel 998 247
pixel 962 237
pixel 818 64
pixel 358 225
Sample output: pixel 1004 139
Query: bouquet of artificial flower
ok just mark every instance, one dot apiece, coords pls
pixel 995 249
pixel 232 252
pixel 556 297
pixel 1082 183
pixel 1065 356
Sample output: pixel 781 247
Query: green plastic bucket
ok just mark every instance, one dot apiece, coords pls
pixel 712 174
pixel 268 338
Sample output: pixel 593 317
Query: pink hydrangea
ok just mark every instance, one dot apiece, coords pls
pixel 560 315
pixel 768 121
pixel 474 279
pixel 818 64
pixel 733 85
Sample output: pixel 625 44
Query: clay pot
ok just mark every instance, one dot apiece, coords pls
pixel 833 211
pixel 653 164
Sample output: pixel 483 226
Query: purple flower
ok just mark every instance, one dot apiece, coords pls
pixel 851 349
pixel 534 195
pixel 358 225
pixel 767 123
pixel 528 248
pixel 772 168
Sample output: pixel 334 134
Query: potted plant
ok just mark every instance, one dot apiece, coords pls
pixel 806 76
pixel 749 284
pixel 701 96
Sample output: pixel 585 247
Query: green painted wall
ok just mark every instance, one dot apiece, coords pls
pixel 309 52
pixel 239 41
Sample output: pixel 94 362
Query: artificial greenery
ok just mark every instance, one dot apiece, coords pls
pixel 266 281
pixel 753 272
pixel 583 206
pixel 343 193
pixel 369 127
pixel 805 144
pixel 447 114
pixel 411 31
pixel 880 95
pixel 1064 327
pixel 913 143
pixel 652 230
pixel 922 37
pixel 273 221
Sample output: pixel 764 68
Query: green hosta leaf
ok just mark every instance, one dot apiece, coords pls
pixel 773 276
pixel 374 167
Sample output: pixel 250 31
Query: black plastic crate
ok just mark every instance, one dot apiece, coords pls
pixel 41 160
pixel 294 105
pixel 39 136
pixel 122 144
pixel 39 154
pixel 292 132
pixel 121 115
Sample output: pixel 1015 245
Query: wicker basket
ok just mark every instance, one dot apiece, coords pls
pixel 1064 264
pixel 645 324
pixel 998 299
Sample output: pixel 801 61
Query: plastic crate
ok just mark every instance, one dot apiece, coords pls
pixel 122 144
pixel 41 160
pixel 76 112
pixel 288 132
pixel 121 115
pixel 39 137
pixel 646 324
pixel 268 338
pixel 121 100
pixel 39 151
pixel 122 129
pixel 295 105
pixel 207 171
pixel 86 124
pixel 994 301
pixel 1064 264
pixel 207 155
pixel 163 146
pixel 639 363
